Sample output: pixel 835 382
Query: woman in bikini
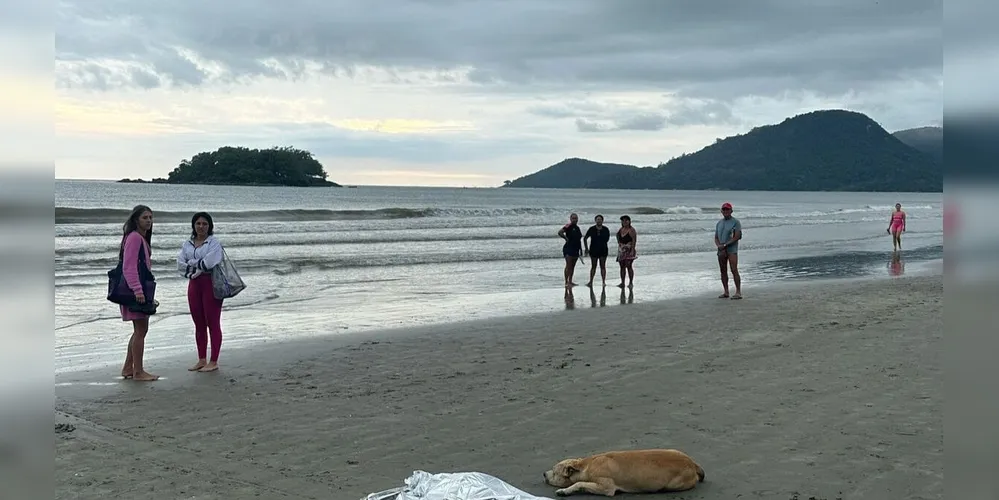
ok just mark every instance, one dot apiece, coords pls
pixel 896 226
pixel 627 237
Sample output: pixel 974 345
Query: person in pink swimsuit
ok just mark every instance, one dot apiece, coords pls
pixel 138 237
pixel 896 226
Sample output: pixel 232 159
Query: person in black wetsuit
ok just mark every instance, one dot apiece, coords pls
pixel 627 237
pixel 595 244
pixel 573 246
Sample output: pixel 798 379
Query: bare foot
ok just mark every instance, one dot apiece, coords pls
pixel 145 376
pixel 621 285
pixel 589 284
pixel 210 367
pixel 572 284
pixel 126 375
pixel 199 365
pixel 723 296
pixel 737 296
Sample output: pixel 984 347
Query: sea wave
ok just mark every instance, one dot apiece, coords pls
pixel 73 272
pixel 73 215
pixel 74 246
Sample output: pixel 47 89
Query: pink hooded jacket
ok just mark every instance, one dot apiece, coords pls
pixel 130 262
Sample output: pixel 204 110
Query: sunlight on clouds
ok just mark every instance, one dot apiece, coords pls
pixel 423 178
pixel 402 126
pixel 74 117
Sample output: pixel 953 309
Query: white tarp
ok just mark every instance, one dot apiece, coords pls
pixel 453 486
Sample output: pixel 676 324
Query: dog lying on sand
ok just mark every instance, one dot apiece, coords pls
pixel 632 471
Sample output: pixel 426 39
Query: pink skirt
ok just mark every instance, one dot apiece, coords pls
pixel 626 254
pixel 127 315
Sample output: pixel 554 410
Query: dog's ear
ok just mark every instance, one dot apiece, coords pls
pixel 572 467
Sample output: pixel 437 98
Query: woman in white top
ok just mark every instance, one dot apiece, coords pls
pixel 198 256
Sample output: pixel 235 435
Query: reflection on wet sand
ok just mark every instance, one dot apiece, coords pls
pixel 570 300
pixel 896 266
pixel 630 298
pixel 603 297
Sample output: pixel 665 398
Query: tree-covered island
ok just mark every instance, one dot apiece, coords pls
pixel 240 166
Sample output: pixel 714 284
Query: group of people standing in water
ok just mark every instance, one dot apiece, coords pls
pixel 595 244
pixel 728 232
pixel 198 256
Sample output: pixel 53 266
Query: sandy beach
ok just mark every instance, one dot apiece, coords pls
pixel 802 390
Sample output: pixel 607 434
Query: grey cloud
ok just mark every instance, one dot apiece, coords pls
pixel 645 122
pixel 591 116
pixel 584 125
pixel 713 48
pixel 708 113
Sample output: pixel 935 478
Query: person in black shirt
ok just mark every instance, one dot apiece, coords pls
pixel 595 243
pixel 573 247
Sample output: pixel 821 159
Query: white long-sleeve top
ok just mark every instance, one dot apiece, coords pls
pixel 192 262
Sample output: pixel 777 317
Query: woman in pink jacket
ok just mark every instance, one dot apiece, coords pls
pixel 138 238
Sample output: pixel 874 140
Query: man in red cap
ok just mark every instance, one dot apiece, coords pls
pixel 728 232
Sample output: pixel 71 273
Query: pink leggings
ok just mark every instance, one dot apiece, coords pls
pixel 206 311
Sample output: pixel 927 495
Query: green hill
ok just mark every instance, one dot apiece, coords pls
pixel 572 173
pixel 926 139
pixel 829 150
pixel 242 166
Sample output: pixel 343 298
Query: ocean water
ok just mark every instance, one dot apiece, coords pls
pixel 319 261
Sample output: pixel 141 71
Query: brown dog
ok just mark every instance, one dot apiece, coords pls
pixel 634 471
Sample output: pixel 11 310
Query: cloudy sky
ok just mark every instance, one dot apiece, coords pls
pixel 471 92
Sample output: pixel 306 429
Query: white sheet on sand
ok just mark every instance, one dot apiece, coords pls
pixel 453 486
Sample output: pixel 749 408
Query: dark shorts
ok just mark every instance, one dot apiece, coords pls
pixel 571 251
pixel 599 253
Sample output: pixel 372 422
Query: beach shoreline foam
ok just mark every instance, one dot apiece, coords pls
pixel 826 389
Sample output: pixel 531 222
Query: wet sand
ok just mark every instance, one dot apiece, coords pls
pixel 825 390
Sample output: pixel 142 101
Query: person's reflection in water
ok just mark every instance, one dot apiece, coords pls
pixel 570 301
pixel 603 297
pixel 896 267
pixel 630 296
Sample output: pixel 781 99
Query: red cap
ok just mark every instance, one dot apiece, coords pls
pixel 726 205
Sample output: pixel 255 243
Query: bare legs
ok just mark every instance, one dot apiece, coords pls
pixel 626 268
pixel 726 260
pixel 136 348
pixel 593 269
pixel 570 268
pixel 896 240
pixel 127 371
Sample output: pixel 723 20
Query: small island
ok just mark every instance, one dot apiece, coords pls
pixel 240 166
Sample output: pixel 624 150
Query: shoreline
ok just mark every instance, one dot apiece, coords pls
pixel 160 352
pixel 809 383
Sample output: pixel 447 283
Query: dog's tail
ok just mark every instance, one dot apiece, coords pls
pixel 700 473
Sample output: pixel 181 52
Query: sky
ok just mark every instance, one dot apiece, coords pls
pixel 472 92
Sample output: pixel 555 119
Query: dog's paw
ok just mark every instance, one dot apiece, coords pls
pixel 562 492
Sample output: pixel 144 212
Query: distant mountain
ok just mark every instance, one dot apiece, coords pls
pixel 572 173
pixel 926 139
pixel 829 150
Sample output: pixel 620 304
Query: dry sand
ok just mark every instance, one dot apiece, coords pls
pixel 824 390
